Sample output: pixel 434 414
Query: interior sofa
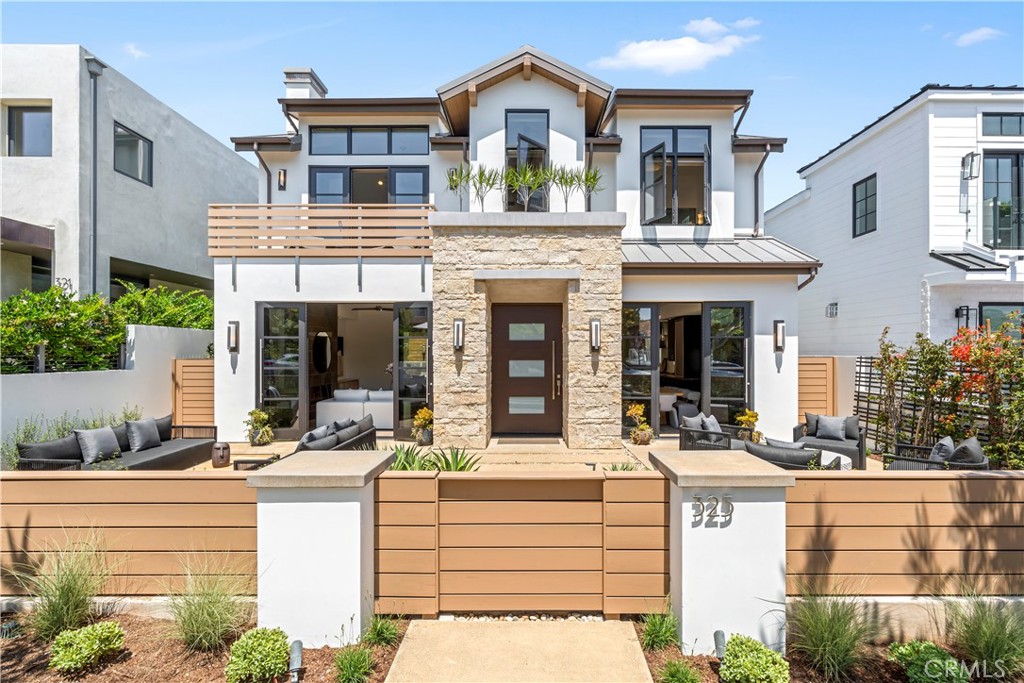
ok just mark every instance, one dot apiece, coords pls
pixel 344 435
pixel 181 447
pixel 355 404
pixel 855 447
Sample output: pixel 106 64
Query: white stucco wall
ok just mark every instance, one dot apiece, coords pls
pixel 774 378
pixel 163 225
pixel 146 382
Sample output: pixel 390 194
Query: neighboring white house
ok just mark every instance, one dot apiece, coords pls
pixel 155 174
pixel 547 322
pixel 917 219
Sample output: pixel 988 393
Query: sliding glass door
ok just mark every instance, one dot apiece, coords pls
pixel 727 360
pixel 411 369
pixel 282 381
pixel 639 362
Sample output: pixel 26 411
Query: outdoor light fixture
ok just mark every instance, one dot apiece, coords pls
pixel 779 336
pixel 963 313
pixel 832 310
pixel 295 661
pixel 233 336
pixel 595 335
pixel 459 334
pixel 282 179
pixel 970 166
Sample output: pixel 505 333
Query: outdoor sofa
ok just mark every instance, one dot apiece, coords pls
pixel 344 435
pixel 355 404
pixel 942 456
pixel 855 447
pixel 179 447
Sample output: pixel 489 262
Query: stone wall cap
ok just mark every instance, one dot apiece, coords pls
pixel 518 219
pixel 322 469
pixel 528 274
pixel 720 468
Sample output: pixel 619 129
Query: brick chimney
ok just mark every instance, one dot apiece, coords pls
pixel 303 83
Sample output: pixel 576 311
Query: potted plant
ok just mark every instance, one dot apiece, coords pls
pixel 748 420
pixel 258 429
pixel 641 433
pixel 423 426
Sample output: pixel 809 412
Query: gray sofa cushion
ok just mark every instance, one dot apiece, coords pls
pixel 969 451
pixel 97 444
pixel 65 448
pixel 323 444
pixel 142 434
pixel 790 456
pixel 941 453
pixel 695 422
pixel 121 432
pixel 830 427
pixel 163 426
pixel 351 395
pixel 178 454
pixel 848 447
pixel 709 423
pixel 319 433
pixel 381 395
pixel 342 424
pixel 366 424
pixel 852 427
pixel 811 421
pixel 775 443
pixel 347 434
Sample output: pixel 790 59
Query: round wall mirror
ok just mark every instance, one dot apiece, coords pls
pixel 322 352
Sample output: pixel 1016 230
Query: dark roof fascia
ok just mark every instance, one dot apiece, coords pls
pixel 663 98
pixel 951 259
pixel 931 87
pixel 448 142
pixel 754 143
pixel 28 234
pixel 364 105
pixel 605 143
pixel 268 143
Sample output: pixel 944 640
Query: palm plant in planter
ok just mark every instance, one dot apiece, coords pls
pixel 589 180
pixel 566 180
pixel 482 181
pixel 526 181
pixel 457 180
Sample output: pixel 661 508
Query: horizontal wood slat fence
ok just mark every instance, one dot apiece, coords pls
pixel 340 230
pixel 193 391
pixel 817 386
pixel 539 542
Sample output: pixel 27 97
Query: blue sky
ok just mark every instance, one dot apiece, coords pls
pixel 820 71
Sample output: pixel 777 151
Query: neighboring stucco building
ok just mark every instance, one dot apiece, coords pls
pixel 917 219
pixel 155 174
pixel 657 287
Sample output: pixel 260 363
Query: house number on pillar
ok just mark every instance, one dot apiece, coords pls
pixel 712 511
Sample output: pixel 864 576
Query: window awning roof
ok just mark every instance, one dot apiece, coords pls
pixel 965 260
pixel 744 255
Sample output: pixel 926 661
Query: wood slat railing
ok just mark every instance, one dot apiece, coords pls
pixel 338 230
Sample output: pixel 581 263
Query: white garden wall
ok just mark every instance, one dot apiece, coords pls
pixel 146 382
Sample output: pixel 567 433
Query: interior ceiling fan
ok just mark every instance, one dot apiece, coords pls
pixel 372 308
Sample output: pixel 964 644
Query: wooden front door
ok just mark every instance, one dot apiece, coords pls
pixel 526 369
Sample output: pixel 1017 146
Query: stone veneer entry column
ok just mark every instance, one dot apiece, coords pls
pixel 314 544
pixel 727 546
pixel 574 259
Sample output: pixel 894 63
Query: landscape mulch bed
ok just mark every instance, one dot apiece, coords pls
pixel 876 668
pixel 152 656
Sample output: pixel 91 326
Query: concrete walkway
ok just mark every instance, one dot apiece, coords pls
pixel 519 652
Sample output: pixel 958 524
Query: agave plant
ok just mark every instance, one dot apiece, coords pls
pixel 409 457
pixel 566 180
pixel 626 467
pixel 482 180
pixel 457 179
pixel 454 460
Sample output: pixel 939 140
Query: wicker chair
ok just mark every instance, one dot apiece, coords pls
pixel 915 458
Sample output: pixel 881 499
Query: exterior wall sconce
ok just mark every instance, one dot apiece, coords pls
pixel 282 179
pixel 832 310
pixel 963 315
pixel 233 336
pixel 459 334
pixel 779 336
pixel 595 335
pixel 970 166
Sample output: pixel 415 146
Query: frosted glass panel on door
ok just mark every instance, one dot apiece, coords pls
pixel 526 331
pixel 526 368
pixel 525 405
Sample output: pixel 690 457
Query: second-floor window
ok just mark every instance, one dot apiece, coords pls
pixel 865 206
pixel 29 131
pixel 368 140
pixel 526 143
pixel 133 154
pixel 1002 124
pixel 675 175
pixel 369 184
pixel 1002 178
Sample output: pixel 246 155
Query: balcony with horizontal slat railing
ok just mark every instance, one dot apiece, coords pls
pixel 320 230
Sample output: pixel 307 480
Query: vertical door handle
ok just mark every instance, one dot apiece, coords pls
pixel 553 371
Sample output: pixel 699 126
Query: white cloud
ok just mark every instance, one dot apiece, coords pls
pixel 978 35
pixel 711 40
pixel 926 27
pixel 134 52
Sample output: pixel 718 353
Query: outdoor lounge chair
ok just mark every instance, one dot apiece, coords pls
pixel 853 447
pixel 703 440
pixel 910 458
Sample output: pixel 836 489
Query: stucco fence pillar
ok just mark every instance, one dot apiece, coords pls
pixel 314 544
pixel 727 546
pixel 573 259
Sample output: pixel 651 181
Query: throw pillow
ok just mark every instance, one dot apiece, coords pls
pixel 163 426
pixel 342 424
pixel 121 432
pixel 348 433
pixel 852 427
pixel 969 451
pixel 316 434
pixel 811 421
pixel 775 443
pixel 66 448
pixel 831 427
pixel 324 444
pixel 695 422
pixel 366 424
pixel 941 453
pixel 710 424
pixel 97 444
pixel 142 434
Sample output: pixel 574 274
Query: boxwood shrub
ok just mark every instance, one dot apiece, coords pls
pixel 748 661
pixel 258 656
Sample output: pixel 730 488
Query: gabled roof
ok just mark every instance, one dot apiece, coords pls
pixel 743 254
pixel 964 260
pixel 458 95
pixel 931 87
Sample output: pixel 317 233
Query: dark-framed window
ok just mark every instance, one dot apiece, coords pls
pixel 675 175
pixel 993 123
pixel 368 140
pixel 527 133
pixel 995 313
pixel 865 206
pixel 133 154
pixel 328 185
pixel 1002 196
pixel 30 131
pixel 400 184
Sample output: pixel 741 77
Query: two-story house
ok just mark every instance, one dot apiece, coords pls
pixel 100 181
pixel 917 219
pixel 371 268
